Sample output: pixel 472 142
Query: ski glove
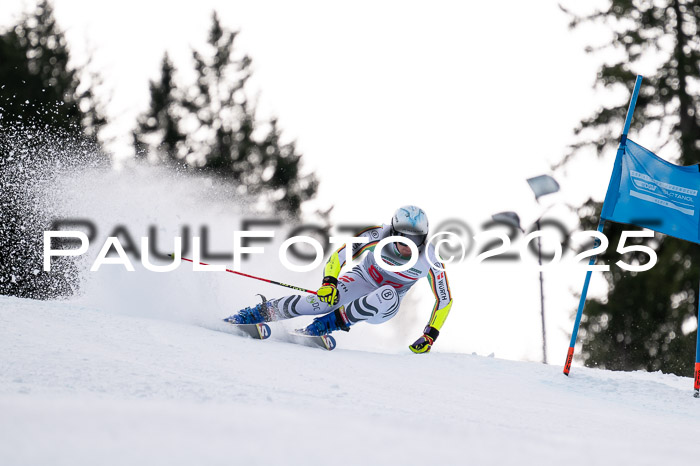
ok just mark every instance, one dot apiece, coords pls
pixel 425 342
pixel 328 293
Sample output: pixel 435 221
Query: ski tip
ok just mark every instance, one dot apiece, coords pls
pixel 329 342
pixel 264 331
pixel 326 342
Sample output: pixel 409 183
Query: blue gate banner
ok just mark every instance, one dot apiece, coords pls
pixel 647 191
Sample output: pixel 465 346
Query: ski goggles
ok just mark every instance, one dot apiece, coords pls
pixel 418 240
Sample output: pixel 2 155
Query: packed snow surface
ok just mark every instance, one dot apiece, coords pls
pixel 81 386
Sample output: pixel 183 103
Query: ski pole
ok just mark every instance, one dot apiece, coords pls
pixel 257 278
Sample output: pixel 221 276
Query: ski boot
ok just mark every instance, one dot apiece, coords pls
pixel 336 320
pixel 263 312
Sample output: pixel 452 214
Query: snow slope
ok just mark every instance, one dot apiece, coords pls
pixel 83 386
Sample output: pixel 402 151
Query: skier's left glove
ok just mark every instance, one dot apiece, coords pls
pixel 328 293
pixel 425 342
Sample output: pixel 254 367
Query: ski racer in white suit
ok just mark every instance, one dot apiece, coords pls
pixel 368 292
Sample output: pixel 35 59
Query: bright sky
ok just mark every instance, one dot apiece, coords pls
pixel 449 106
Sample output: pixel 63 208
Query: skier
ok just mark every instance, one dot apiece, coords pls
pixel 368 292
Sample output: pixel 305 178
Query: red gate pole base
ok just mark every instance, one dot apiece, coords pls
pixel 569 358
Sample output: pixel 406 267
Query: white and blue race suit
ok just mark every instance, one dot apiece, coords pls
pixel 371 293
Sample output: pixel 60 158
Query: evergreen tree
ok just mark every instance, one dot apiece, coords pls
pixel 643 323
pixel 41 123
pixel 161 124
pixel 218 107
pixel 36 76
pixel 289 188
pixel 212 126
pixel 228 140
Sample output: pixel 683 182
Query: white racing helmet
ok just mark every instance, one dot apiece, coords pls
pixel 411 222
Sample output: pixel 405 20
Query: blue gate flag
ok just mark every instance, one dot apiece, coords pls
pixel 647 191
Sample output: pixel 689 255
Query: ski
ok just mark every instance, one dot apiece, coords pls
pixel 326 342
pixel 258 331
pixel 263 332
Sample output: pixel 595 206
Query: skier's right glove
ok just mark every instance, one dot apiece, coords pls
pixel 425 342
pixel 328 293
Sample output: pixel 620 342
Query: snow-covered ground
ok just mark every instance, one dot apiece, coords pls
pixel 79 385
pixel 133 371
